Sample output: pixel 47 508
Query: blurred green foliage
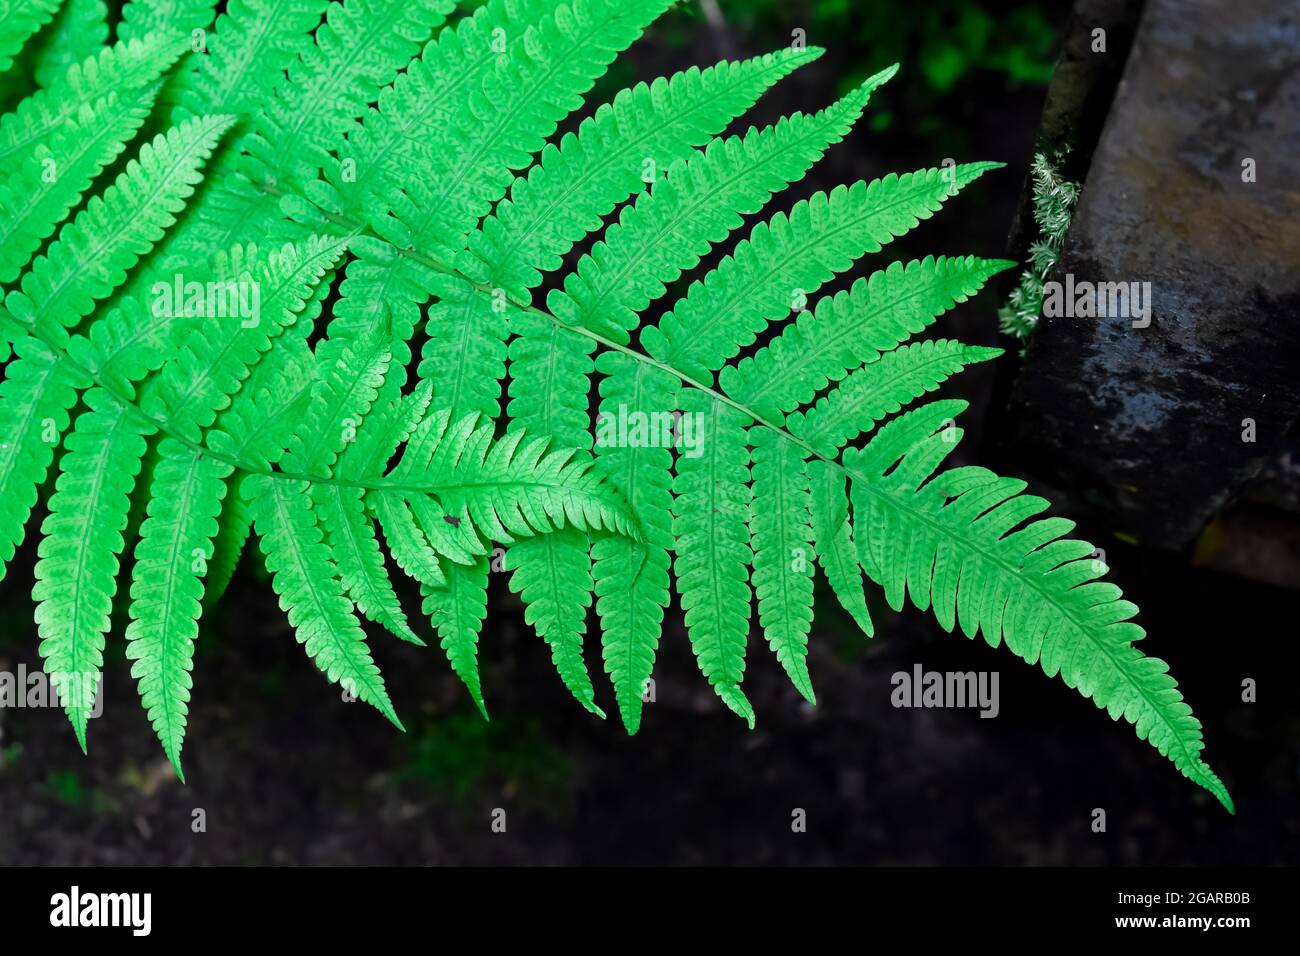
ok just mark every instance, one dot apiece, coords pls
pixel 65 786
pixel 947 40
pixel 462 752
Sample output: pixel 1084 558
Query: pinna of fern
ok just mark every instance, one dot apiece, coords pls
pixel 387 176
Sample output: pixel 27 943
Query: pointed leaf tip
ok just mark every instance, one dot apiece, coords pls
pixel 881 78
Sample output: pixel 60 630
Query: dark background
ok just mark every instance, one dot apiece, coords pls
pixel 287 773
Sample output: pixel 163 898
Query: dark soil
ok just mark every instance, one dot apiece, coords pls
pixel 287 773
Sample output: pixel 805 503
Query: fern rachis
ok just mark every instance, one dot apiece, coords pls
pixel 442 209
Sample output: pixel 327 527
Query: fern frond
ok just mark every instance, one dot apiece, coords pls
pixel 552 576
pixel 349 383
pixel 126 345
pixel 388 177
pixel 122 68
pixel 979 558
pixel 631 577
pixel 44 185
pixel 785 260
pixel 833 540
pixel 252 44
pixel 385 432
pixel 465 352
pixel 514 487
pixel 35 397
pixel 233 529
pixel 550 370
pixel 218 355
pixel 880 388
pixel 358 51
pixel 414 110
pixel 711 511
pixel 543 77
pixel 457 610
pixel 352 542
pixel 253 428
pixel 92 253
pixel 850 329
pixel 76 576
pixel 79 30
pixel 18 21
pixel 407 541
pixel 167 582
pixel 783 552
pixel 574 185
pixel 142 17
pixel 304 575
pixel 565 195
pixel 699 203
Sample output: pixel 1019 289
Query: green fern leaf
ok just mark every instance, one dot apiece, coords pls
pixel 304 575
pixel 92 253
pixel 573 186
pixel 546 71
pixel 458 609
pixel 18 21
pixel 972 560
pixel 407 541
pixel 850 329
pixel 787 259
pixel 550 374
pixel 219 354
pixel 833 540
pixel 142 17
pixel 37 392
pixel 699 202
pixel 355 548
pixel 47 183
pixel 881 388
pixel 79 30
pixel 514 487
pixel 632 576
pixel 359 49
pixel 167 582
pixel 76 575
pixel 342 396
pixel 251 46
pixel 552 575
pixel 711 510
pixel 414 110
pixel 392 176
pixel 233 529
pixel 122 68
pixel 783 552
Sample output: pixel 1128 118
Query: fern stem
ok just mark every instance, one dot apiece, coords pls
pixel 160 424
pixel 435 264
